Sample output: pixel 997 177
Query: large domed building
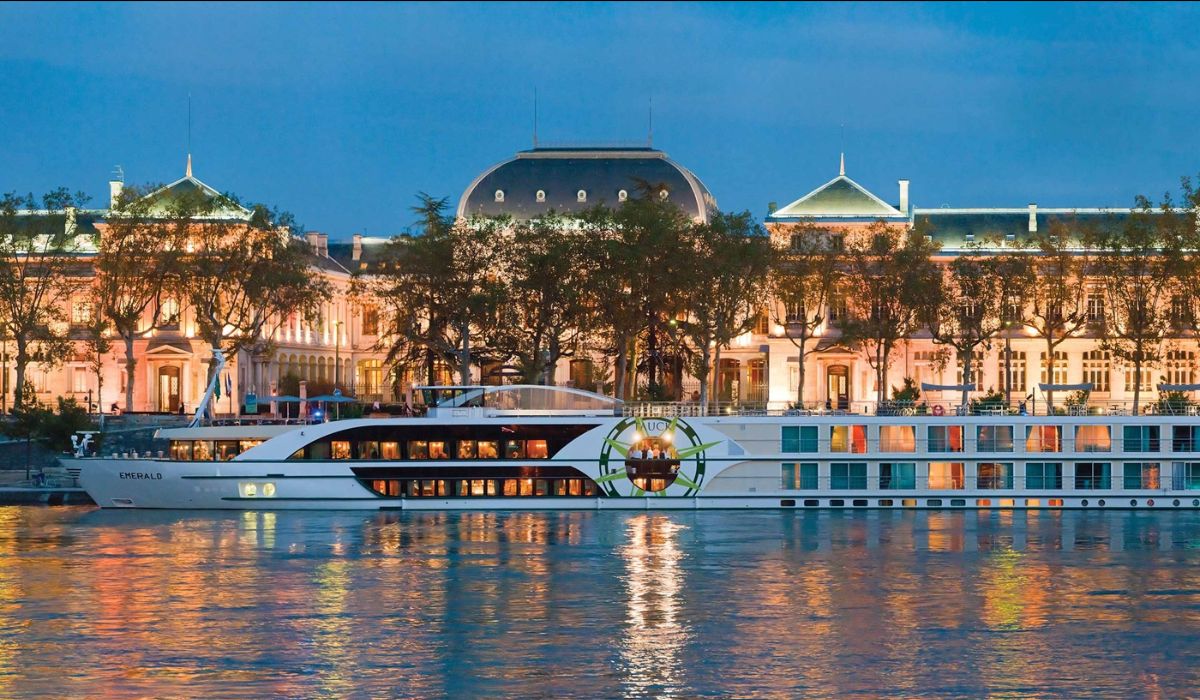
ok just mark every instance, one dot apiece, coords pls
pixel 568 180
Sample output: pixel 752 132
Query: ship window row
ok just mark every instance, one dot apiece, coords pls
pixel 1086 476
pixel 209 450
pixel 853 439
pixel 468 488
pixel 385 450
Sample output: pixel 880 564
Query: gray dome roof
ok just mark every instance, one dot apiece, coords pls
pixel 559 174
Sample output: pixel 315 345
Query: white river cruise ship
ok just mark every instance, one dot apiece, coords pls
pixel 537 447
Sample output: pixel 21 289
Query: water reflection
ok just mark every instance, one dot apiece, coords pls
pixel 598 604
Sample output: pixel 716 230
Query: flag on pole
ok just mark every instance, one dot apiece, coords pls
pixel 217 388
pixel 228 385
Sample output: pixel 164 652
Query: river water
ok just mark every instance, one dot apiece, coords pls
pixel 609 604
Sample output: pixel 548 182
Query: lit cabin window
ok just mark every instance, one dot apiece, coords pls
pixel 499 195
pixel 581 196
pixel 540 196
pixel 1093 438
pixel 622 195
pixel 897 438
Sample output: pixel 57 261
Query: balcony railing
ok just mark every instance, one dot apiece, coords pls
pixel 931 409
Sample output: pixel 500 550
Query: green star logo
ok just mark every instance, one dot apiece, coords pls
pixel 649 455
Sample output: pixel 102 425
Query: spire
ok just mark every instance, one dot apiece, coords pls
pixel 188 173
pixel 841 169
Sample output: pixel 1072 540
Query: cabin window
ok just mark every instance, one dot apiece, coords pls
pixel 848 475
pixel 1043 475
pixel 848 438
pixel 1184 438
pixel 489 449
pixel 897 438
pixel 244 445
pixel 466 449
pixel 946 475
pixel 799 438
pixel 897 475
pixel 1142 475
pixel 368 450
pixel 945 438
pixel 1093 475
pixel 994 475
pixel 339 449
pixel 1093 438
pixel 514 449
pixel 1043 438
pixel 994 438
pixel 537 449
pixel 1185 475
pixel 1141 438
pixel 418 449
pixel 437 450
pixel 226 450
pixel 181 450
pixel 801 476
pixel 389 450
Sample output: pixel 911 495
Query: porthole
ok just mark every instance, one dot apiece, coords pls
pixel 860 502
pixel 499 195
pixel 958 501
pixel 1150 502
pixel 249 490
pixel 811 503
pixel 1101 502
pixel 1084 503
pixel 540 196
pixel 885 503
pixel 268 490
pixel 787 503
pixel 1175 503
pixel 1196 502
pixel 1133 501
pixel 581 196
pixel 933 502
pixel 837 503
pixel 622 195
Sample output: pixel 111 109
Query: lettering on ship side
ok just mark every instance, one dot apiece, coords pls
pixel 141 475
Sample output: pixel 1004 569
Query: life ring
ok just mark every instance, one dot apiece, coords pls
pixel 938 410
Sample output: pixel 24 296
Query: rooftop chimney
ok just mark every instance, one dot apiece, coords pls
pixel 357 247
pixel 1032 218
pixel 114 192
pixel 319 243
pixel 904 197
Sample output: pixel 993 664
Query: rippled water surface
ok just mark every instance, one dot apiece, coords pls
pixel 612 604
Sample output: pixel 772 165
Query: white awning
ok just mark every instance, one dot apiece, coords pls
pixel 1066 387
pixel 1179 387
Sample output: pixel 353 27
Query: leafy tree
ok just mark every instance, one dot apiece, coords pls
pixel 1137 263
pixel 966 311
pixel 245 274
pixel 1057 291
pixel 137 264
pixel 804 274
pixel 889 276
pixel 440 285
pixel 546 270
pixel 38 275
pixel 730 258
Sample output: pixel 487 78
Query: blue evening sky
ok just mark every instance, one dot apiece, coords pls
pixel 341 113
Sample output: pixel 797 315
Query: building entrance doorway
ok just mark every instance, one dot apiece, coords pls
pixel 168 389
pixel 839 387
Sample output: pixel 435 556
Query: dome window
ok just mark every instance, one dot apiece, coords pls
pixel 499 195
pixel 662 194
pixel 622 195
pixel 540 196
pixel 581 196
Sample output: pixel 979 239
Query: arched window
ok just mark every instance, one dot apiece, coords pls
pixel 499 195
pixel 541 195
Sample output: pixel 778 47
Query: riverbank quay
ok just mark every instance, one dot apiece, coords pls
pixel 55 487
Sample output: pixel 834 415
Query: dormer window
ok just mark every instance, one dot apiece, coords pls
pixel 540 196
pixel 581 196
pixel 1010 237
pixel 662 194
pixel 622 195
pixel 499 195
pixel 970 237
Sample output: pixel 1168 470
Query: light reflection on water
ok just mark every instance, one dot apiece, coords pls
pixel 598 604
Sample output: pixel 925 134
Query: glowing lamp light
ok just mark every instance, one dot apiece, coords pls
pixel 667 437
pixel 637 437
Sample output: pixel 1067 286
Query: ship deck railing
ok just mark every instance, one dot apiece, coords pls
pixel 930 409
